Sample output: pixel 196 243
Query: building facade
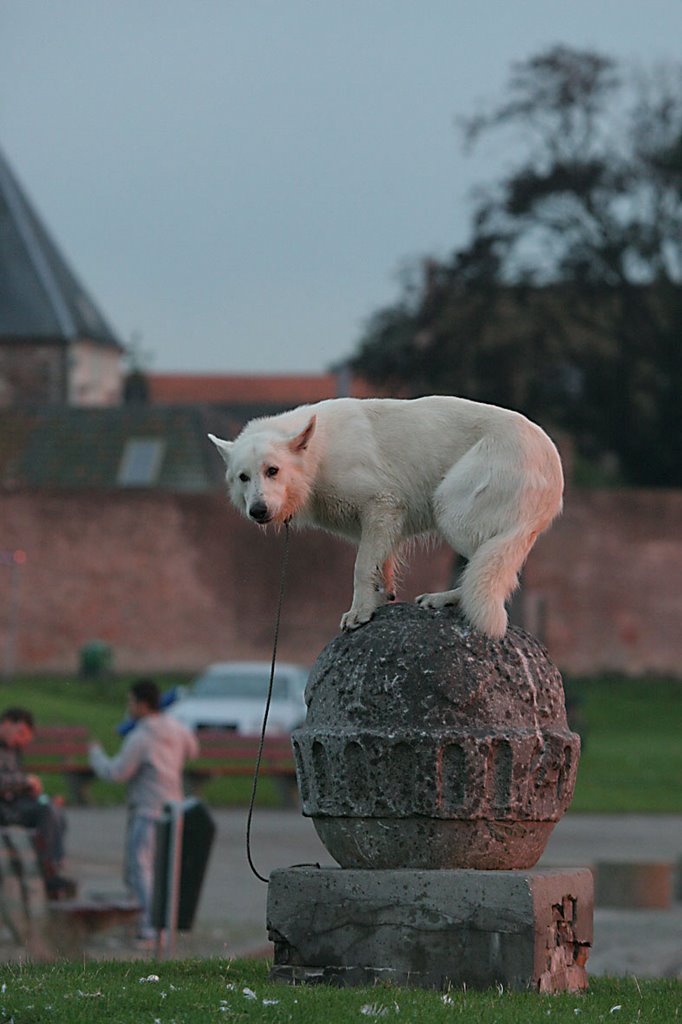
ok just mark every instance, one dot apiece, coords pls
pixel 56 348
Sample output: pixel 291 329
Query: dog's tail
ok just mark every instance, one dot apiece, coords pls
pixel 490 577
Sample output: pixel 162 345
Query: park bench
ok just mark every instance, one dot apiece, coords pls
pixel 72 922
pixel 62 750
pixel 47 929
pixel 226 754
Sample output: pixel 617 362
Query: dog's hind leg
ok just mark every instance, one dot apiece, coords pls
pixel 441 599
pixel 477 510
pixel 489 579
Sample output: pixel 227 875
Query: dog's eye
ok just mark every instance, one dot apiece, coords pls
pixel 244 477
pixel 272 471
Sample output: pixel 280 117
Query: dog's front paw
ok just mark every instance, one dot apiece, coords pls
pixel 355 617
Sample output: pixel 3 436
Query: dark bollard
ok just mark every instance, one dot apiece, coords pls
pixel 184 837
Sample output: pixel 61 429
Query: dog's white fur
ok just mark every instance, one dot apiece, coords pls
pixel 382 471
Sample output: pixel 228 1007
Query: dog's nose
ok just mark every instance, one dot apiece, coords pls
pixel 259 512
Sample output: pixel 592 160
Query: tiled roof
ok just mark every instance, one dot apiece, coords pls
pixel 40 296
pixel 179 388
pixel 83 448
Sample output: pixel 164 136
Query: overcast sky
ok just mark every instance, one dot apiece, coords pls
pixel 240 181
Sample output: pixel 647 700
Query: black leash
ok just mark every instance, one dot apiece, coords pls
pixel 256 772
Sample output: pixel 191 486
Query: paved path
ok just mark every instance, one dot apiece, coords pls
pixel 231 916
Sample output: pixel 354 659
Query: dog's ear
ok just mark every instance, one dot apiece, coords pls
pixel 224 447
pixel 301 441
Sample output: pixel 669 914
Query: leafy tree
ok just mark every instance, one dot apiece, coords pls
pixel 567 301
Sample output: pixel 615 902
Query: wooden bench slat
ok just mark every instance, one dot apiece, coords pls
pixel 53 731
pixel 63 750
pixel 60 767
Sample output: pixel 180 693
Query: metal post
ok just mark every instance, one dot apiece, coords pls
pixel 166 938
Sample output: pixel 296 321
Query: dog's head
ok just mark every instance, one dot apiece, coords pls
pixel 266 476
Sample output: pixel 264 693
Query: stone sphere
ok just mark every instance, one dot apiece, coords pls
pixel 429 745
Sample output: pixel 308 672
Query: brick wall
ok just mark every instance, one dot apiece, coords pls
pixel 610 575
pixel 177 581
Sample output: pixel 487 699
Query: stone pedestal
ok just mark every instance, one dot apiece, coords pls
pixel 434 763
pixel 432 929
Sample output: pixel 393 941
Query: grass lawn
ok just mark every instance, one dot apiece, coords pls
pixel 632 754
pixel 631 761
pixel 198 992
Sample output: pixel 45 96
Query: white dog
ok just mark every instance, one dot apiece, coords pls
pixel 382 471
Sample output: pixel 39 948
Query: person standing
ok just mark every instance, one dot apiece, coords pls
pixel 151 762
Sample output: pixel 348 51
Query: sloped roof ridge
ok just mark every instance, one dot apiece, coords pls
pixel 41 275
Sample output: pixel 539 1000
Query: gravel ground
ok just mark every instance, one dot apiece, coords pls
pixel 231 915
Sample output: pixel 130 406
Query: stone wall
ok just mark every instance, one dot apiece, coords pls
pixel 177 581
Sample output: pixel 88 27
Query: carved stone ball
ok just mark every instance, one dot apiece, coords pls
pixel 428 745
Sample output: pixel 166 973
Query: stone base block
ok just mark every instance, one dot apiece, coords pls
pixel 432 929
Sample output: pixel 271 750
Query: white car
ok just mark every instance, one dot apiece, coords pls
pixel 232 694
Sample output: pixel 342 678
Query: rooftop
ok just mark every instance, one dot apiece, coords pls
pixel 137 446
pixel 287 389
pixel 40 296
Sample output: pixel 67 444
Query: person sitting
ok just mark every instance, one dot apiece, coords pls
pixel 22 802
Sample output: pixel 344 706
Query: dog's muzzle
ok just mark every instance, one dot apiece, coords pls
pixel 259 512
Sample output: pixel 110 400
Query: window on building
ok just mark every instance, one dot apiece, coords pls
pixel 141 462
